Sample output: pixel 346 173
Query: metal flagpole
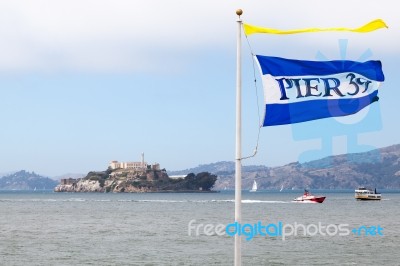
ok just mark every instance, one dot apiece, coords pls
pixel 238 157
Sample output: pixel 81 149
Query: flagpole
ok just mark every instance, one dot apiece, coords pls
pixel 238 157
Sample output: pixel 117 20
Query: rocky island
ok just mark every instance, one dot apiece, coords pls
pixel 137 177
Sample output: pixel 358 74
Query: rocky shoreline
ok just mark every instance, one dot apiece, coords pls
pixel 147 182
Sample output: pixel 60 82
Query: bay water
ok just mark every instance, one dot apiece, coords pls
pixel 47 228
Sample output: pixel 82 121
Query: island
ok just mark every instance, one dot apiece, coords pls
pixel 137 177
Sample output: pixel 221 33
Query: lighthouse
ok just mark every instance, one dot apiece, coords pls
pixel 142 159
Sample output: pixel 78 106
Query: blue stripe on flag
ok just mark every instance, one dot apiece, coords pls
pixel 290 113
pixel 277 66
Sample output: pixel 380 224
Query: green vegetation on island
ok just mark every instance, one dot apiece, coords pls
pixel 137 180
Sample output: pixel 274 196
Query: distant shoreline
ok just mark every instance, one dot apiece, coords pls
pixel 182 191
pixel 166 191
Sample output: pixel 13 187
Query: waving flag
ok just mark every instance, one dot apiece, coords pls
pixel 297 90
pixel 371 26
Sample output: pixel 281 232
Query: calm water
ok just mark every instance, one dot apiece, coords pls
pixel 46 228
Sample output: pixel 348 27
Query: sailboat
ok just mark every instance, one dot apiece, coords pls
pixel 281 188
pixel 254 188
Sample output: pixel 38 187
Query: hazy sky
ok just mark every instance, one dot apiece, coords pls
pixel 85 82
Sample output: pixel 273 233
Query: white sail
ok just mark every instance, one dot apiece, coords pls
pixel 254 188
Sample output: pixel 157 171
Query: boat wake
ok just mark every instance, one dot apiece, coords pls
pixel 263 201
pixel 245 201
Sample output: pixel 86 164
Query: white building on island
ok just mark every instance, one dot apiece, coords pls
pixel 142 165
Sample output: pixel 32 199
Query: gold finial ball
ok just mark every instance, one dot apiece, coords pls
pixel 239 12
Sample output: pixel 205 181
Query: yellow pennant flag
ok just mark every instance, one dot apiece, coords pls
pixel 371 26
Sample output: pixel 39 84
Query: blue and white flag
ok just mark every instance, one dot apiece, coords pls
pixel 297 90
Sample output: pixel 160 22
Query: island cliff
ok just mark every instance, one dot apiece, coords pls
pixel 137 180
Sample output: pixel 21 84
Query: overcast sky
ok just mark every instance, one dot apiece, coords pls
pixel 85 82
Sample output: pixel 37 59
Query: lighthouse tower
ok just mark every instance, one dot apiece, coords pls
pixel 143 160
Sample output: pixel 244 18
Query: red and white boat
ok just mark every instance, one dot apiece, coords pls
pixel 308 198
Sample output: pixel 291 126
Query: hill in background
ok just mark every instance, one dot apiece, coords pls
pixel 23 180
pixel 378 168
